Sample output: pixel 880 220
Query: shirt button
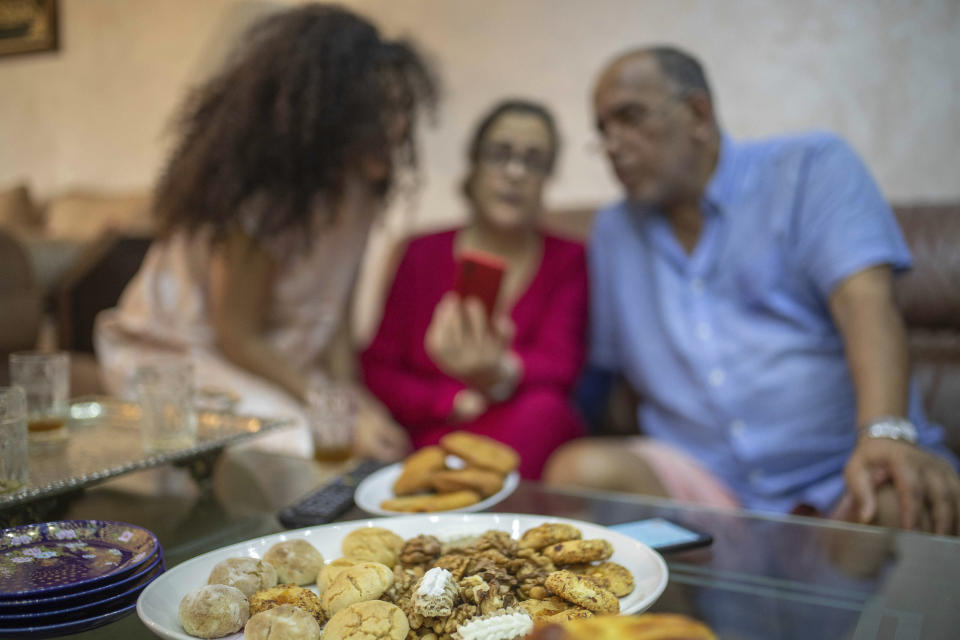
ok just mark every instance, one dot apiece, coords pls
pixel 717 376
pixel 697 285
pixel 756 476
pixel 703 331
pixel 737 427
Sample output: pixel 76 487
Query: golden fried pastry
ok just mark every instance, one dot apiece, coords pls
pixel 427 503
pixel 285 622
pixel 578 551
pixel 361 582
pixel 247 574
pixel 481 451
pixel 582 591
pixel 332 570
pixel 509 624
pixel 484 482
pixel 611 576
pixel 372 544
pixel 547 534
pixel 213 611
pixel 435 593
pixel 296 561
pixel 540 609
pixel 288 594
pixel 649 626
pixel 417 469
pixel 371 620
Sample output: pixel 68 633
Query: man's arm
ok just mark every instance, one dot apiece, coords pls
pixel 875 341
pixel 865 312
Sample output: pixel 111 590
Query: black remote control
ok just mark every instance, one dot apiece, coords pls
pixel 324 504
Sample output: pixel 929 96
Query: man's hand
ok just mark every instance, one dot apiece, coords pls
pixel 922 481
pixel 464 344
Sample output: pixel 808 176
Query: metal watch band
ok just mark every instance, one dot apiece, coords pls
pixel 891 428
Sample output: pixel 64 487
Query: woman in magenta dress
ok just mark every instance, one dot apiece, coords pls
pixel 438 362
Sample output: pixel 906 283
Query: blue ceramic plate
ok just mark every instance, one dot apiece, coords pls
pixel 76 608
pixel 64 628
pixel 69 599
pixel 70 555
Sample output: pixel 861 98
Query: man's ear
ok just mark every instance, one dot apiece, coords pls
pixel 701 106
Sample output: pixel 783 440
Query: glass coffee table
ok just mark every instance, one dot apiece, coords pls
pixel 764 577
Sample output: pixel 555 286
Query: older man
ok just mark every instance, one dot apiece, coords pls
pixel 744 290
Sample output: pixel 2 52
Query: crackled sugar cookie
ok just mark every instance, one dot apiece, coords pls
pixel 285 622
pixel 578 551
pixel 247 574
pixel 331 570
pixel 372 544
pixel 213 611
pixel 371 620
pixel 296 561
pixel 361 582
pixel 582 591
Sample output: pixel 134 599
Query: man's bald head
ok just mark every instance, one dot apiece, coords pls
pixel 681 71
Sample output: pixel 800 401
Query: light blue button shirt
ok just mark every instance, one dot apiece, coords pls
pixel 732 346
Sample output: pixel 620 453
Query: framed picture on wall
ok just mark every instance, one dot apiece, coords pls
pixel 27 26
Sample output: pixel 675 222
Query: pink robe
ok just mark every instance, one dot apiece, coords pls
pixel 550 318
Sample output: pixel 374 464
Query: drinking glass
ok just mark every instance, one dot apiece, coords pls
pixel 332 409
pixel 164 391
pixel 45 380
pixel 14 467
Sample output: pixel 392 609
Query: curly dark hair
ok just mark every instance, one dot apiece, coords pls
pixel 306 95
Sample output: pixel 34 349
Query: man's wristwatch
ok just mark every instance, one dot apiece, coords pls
pixel 891 427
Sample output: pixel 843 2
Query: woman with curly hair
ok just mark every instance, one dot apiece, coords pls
pixel 283 161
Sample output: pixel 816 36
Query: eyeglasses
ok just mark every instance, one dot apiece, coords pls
pixel 631 117
pixel 534 161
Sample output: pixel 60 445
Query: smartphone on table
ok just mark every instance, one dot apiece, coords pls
pixel 479 275
pixel 663 535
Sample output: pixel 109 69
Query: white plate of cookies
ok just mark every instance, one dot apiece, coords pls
pixel 452 573
pixel 465 472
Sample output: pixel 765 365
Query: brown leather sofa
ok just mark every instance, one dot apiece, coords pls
pixel 21 301
pixel 929 296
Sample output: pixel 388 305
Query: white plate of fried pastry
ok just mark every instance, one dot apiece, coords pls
pixel 465 472
pixel 454 575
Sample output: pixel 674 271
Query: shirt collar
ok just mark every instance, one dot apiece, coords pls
pixel 720 188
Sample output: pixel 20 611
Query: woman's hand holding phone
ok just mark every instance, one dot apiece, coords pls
pixel 464 344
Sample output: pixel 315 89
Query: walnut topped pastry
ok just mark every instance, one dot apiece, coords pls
pixel 288 594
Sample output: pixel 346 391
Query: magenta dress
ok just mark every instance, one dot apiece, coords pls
pixel 550 318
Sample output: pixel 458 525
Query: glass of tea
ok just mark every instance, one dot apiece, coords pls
pixel 332 409
pixel 45 380
pixel 13 439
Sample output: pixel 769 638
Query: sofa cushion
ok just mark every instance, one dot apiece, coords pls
pixel 18 211
pixel 81 216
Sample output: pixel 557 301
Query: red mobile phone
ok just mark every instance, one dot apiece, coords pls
pixel 479 276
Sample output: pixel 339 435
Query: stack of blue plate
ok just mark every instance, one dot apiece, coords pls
pixel 66 577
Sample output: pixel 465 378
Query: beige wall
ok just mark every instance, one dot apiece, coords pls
pixel 885 74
